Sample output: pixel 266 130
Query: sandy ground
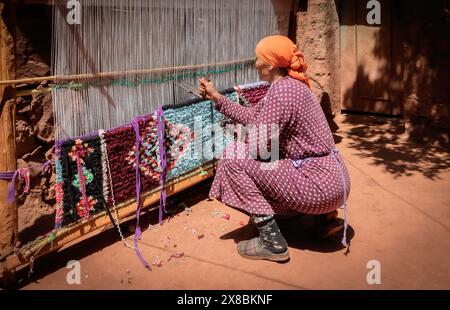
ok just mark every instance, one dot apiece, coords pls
pixel 399 215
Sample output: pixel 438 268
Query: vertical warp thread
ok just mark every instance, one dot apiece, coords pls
pixel 173 29
pixel 137 233
pixel 163 160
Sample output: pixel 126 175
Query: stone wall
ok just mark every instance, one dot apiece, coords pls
pixel 31 30
pixel 318 38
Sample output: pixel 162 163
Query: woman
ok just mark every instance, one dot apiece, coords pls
pixel 310 177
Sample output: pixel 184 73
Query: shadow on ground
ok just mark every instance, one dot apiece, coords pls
pixel 382 139
pixel 300 233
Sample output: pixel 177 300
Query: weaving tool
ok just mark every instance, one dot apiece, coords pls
pixel 191 88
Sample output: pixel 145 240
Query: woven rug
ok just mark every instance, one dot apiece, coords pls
pixel 99 170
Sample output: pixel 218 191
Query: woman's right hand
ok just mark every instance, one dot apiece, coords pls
pixel 208 90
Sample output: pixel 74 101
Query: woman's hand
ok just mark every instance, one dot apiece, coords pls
pixel 208 90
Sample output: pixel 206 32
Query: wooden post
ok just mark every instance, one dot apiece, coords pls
pixel 8 212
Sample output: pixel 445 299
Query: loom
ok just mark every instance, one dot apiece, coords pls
pixel 118 109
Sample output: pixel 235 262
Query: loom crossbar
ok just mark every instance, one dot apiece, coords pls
pixel 87 76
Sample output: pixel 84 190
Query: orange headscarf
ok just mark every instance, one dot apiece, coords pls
pixel 280 52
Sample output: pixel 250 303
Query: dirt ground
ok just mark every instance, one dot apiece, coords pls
pixel 399 212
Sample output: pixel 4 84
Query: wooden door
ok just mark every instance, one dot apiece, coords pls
pixel 366 59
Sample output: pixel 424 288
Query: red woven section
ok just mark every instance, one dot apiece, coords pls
pixel 254 95
pixel 119 144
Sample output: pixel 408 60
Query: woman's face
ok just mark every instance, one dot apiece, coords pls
pixel 264 70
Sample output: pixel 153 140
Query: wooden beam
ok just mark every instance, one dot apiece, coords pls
pixel 101 222
pixel 8 212
pixel 113 74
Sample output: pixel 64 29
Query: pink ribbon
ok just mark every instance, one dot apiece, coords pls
pixel 24 173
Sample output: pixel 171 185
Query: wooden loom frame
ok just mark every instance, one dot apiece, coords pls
pixel 99 222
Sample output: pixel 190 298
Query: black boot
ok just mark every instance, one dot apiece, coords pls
pixel 270 244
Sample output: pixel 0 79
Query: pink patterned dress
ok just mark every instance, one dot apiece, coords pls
pixel 310 175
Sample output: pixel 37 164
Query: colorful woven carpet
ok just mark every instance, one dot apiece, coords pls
pixel 99 170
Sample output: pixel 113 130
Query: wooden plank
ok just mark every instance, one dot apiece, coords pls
pixel 373 57
pixel 367 83
pixel 101 222
pixel 8 212
pixel 349 67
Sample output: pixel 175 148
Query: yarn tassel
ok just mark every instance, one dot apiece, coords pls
pixel 137 233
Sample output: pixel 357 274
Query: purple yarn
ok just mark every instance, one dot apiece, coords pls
pixel 46 164
pixel 10 176
pixel 137 233
pixel 6 176
pixel 298 163
pixel 12 188
pixel 163 160
pixel 335 153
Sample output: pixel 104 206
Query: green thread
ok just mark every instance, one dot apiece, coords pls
pixel 75 86
pixel 51 237
pixel 88 175
pixel 146 81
